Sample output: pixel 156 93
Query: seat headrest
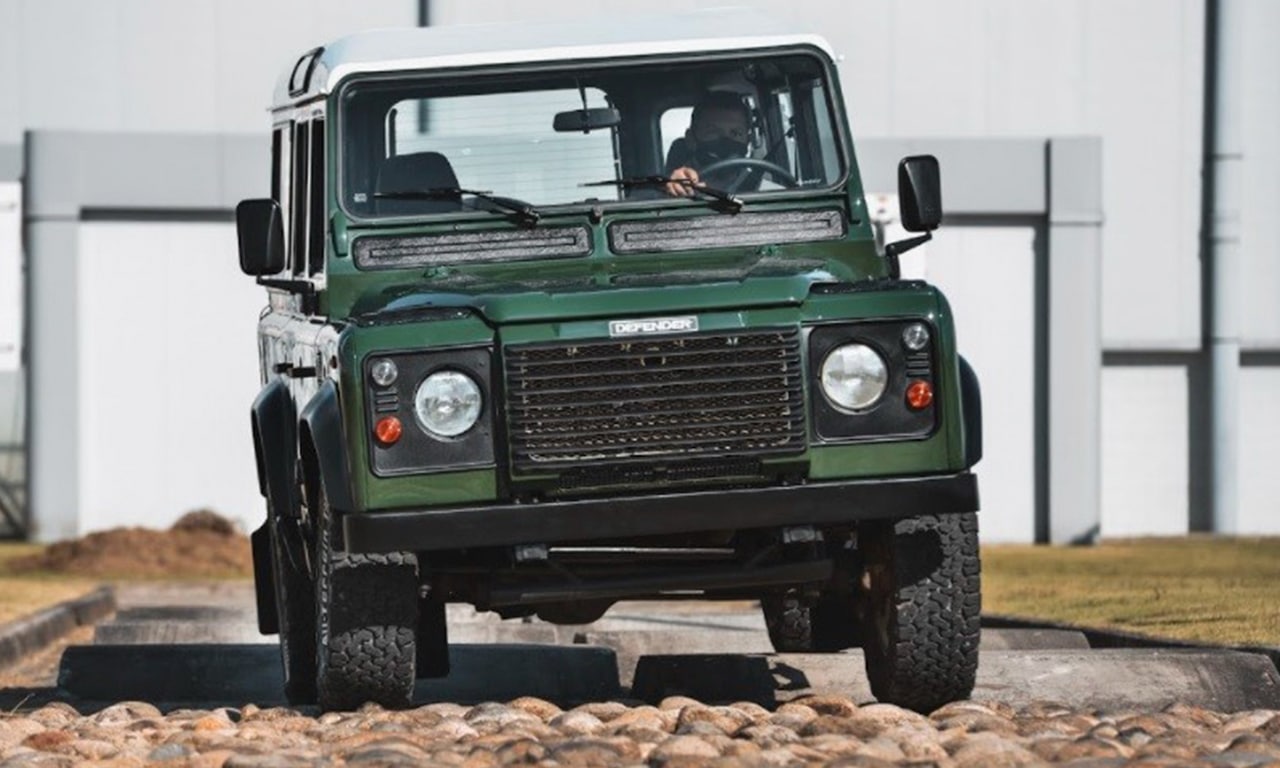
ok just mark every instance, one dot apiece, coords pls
pixel 413 172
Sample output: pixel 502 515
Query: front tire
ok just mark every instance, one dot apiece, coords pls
pixel 366 622
pixel 923 591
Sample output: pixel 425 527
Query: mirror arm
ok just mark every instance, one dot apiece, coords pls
pixel 895 249
pixel 305 287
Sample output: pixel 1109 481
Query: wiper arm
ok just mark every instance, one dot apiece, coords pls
pixel 524 212
pixel 730 202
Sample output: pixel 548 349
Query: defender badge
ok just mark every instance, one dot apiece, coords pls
pixel 653 326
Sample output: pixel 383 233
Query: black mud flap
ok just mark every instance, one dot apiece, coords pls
pixel 263 581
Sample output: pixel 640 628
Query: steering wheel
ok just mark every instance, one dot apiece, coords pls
pixel 751 163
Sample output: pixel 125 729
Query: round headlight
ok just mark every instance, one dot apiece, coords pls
pixel 915 336
pixel 854 377
pixel 447 403
pixel 383 372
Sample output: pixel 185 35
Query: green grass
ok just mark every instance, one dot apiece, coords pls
pixel 22 594
pixel 1208 589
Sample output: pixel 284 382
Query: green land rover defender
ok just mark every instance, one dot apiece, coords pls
pixel 561 315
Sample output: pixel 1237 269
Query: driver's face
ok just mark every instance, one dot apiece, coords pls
pixel 720 124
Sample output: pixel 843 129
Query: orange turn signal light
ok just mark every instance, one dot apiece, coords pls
pixel 388 430
pixel 919 395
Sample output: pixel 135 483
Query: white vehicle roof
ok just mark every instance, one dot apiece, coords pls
pixel 427 48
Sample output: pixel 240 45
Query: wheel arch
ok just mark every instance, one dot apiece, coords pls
pixel 323 446
pixel 971 396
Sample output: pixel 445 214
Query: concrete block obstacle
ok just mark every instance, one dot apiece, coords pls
pixel 161 647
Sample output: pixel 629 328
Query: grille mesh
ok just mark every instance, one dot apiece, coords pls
pixel 676 398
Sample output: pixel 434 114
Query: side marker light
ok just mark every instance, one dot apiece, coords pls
pixel 919 395
pixel 388 430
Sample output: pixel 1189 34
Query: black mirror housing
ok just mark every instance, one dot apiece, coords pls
pixel 260 230
pixel 919 193
pixel 586 120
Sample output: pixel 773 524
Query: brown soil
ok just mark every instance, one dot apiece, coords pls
pixel 201 544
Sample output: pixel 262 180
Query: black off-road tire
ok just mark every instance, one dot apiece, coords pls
pixel 366 622
pixel 788 617
pixel 923 604
pixel 798 624
pixel 296 615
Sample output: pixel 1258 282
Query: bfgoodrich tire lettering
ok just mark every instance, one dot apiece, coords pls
pixel 366 622
pixel 923 580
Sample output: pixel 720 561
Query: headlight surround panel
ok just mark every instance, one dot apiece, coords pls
pixel 889 417
pixel 418 451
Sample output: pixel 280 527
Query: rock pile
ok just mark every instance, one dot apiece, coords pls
pixel 818 730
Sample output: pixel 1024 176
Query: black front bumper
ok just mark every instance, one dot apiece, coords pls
pixel 491 525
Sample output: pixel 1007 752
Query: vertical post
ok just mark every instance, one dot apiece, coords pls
pixel 52 244
pixel 1224 81
pixel 1075 340
pixel 424 112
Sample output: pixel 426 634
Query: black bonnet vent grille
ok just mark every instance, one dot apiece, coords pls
pixel 722 231
pixel 471 247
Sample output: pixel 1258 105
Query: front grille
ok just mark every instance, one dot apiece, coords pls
pixel 683 397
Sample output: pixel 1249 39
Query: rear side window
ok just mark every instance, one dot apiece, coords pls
pixel 315 247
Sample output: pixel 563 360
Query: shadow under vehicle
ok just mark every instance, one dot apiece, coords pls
pixel 504 364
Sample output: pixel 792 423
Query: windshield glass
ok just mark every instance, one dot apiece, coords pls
pixel 415 146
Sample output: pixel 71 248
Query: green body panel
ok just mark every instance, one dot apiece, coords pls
pixel 780 302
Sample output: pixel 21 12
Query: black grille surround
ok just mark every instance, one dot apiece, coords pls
pixel 656 400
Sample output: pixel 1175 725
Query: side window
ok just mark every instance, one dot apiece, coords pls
pixel 300 201
pixel 277 142
pixel 282 179
pixel 315 237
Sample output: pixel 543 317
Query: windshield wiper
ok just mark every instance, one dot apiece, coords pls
pixel 524 212
pixel 729 202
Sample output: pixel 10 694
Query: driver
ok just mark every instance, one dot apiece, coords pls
pixel 719 129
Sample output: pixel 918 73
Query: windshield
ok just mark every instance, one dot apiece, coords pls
pixel 415 146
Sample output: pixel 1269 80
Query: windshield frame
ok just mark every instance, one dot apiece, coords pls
pixel 831 87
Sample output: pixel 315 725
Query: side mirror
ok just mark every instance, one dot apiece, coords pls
pixel 586 120
pixel 261 234
pixel 919 193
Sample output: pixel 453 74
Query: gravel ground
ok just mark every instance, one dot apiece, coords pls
pixel 814 731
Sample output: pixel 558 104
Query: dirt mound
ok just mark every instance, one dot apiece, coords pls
pixel 202 544
pixel 205 520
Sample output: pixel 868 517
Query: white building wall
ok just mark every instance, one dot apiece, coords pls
pixel 1260 445
pixel 205 66
pixel 168 368
pixel 1145 482
pixel 1260 226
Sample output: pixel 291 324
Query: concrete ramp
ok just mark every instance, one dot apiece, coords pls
pixel 201 646
pixel 226 674
pixel 1112 679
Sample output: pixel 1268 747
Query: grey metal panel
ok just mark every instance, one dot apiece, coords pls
pixel 10 161
pixel 1075 338
pixel 54 397
pixel 72 171
pixel 979 176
